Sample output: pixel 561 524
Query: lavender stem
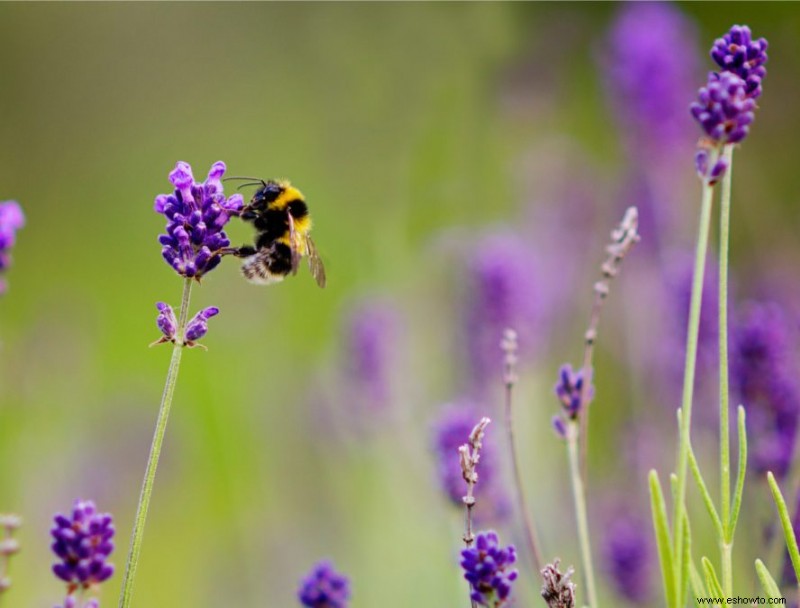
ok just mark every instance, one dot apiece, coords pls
pixel 579 497
pixel 509 379
pixel 688 388
pixel 155 451
pixel 726 543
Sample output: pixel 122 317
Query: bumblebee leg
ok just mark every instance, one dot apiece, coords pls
pixel 245 251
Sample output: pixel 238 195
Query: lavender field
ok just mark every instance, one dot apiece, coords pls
pixel 525 323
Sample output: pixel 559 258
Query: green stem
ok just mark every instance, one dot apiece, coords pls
pixel 579 498
pixel 126 596
pixel 726 543
pixel 688 385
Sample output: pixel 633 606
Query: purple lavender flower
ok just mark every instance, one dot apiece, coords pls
pixel 83 543
pixel 502 294
pixel 650 66
pixel 451 430
pixel 196 214
pixel 11 220
pixel 372 331
pixel 723 109
pixel 197 327
pixel 569 390
pixel 738 53
pixel 762 376
pixel 488 568
pixel 629 556
pixel 324 588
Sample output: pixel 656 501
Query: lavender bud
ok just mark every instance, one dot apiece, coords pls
pixel 488 569
pixel 167 322
pixel 197 326
pixel 723 109
pixel 190 244
pixel 324 588
pixel 738 53
pixel 83 543
pixel 569 390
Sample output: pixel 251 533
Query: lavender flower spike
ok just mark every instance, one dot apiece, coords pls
pixel 196 215
pixel 82 542
pixel 324 588
pixel 738 53
pixel 11 220
pixel 488 568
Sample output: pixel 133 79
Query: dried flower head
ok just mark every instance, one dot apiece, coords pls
pixel 452 428
pixel 488 568
pixel 324 588
pixel 738 53
pixel 11 220
pixel 83 543
pixel 196 215
pixel 557 589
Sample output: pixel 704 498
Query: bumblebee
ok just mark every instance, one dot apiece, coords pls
pixel 280 216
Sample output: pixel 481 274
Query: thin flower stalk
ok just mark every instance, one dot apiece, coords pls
pixel 509 346
pixel 579 497
pixel 137 535
pixel 726 542
pixel 623 238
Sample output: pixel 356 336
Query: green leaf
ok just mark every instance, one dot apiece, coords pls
pixel 786 524
pixel 661 525
pixel 714 588
pixel 686 561
pixel 707 500
pixel 698 588
pixel 738 492
pixel 767 582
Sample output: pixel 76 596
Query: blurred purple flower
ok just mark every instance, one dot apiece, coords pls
pixel 738 53
pixel 488 568
pixel 628 552
pixel 83 543
pixel 650 64
pixel 196 214
pixel 764 381
pixel 11 220
pixel 371 333
pixel 502 293
pixel 569 390
pixel 450 431
pixel 324 588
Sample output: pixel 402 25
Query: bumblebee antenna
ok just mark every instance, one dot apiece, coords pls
pixel 257 180
pixel 240 186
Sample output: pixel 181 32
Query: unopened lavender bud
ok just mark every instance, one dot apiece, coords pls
pixel 559 426
pixel 324 588
pixel 166 321
pixel 569 390
pixel 197 327
pixel 738 53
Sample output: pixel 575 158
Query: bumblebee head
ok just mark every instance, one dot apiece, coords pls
pixel 266 194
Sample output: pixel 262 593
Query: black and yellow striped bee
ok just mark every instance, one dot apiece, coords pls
pixel 283 225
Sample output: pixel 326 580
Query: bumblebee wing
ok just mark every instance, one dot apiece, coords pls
pixel 315 263
pixel 293 245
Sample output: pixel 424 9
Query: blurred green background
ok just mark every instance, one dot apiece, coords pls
pixel 402 124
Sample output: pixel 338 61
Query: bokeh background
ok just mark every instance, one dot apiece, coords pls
pixel 464 164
